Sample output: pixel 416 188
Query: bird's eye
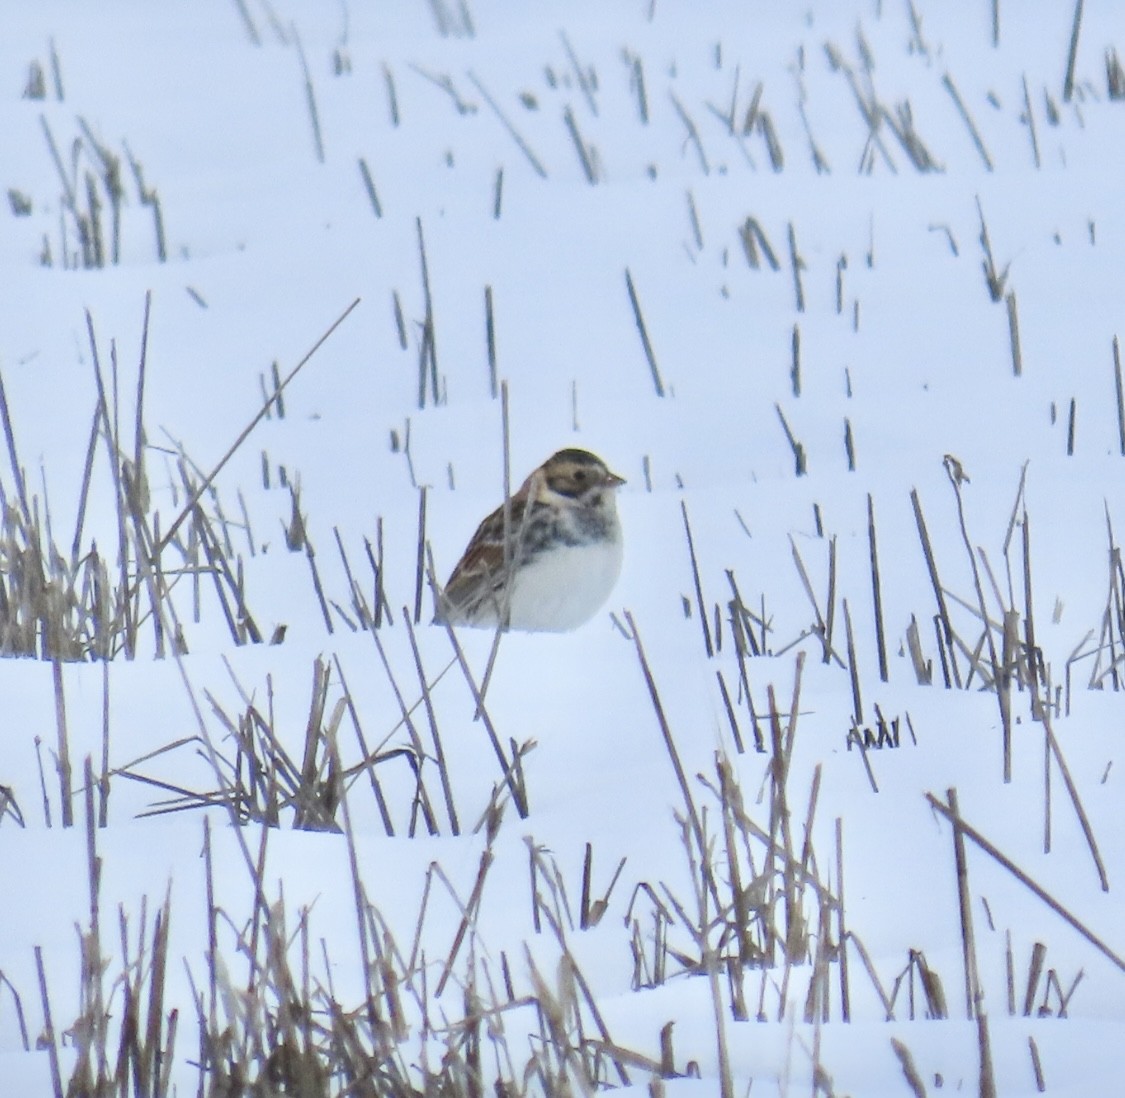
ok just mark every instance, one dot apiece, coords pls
pixel 579 474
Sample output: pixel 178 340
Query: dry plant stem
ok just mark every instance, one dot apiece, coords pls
pixel 1036 1065
pixel 207 481
pixel 420 558
pixel 510 543
pixel 490 341
pixel 962 110
pixel 1002 696
pixel 439 754
pixel 710 960
pixel 965 902
pixel 876 592
pixel 62 761
pixel 821 628
pixel 1029 115
pixel 139 481
pixel 513 777
pixel 799 461
pixel 781 821
pixel 358 896
pixel 1072 53
pixel 587 155
pixel 84 492
pixel 427 359
pixel 642 329
pixel 359 603
pixel 974 994
pixel 698 584
pixel 939 594
pixel 666 733
pixel 830 600
pixel 841 929
pixel 798 265
pixel 1119 392
pixel 1029 624
pixel 970 832
pixel 48 1037
pixel 376 786
pixel 468 918
pixel 1072 791
pixel 1017 356
pixel 909 1070
pixel 532 159
pixel 422 799
pixel 310 95
pixel 740 900
pixel 736 732
pixel 853 666
pixel 692 133
pixel 369 187
pixel 17 471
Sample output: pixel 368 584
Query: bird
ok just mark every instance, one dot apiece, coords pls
pixel 547 560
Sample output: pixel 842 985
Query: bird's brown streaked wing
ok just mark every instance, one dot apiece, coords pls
pixel 484 556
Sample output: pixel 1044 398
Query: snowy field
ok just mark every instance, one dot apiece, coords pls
pixel 826 801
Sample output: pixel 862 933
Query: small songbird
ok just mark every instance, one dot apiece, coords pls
pixel 550 566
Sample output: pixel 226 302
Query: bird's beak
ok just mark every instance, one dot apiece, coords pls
pixel 613 480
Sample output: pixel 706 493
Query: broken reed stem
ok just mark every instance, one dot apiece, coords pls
pixel 468 915
pixel 830 601
pixel 666 733
pixel 310 95
pixel 63 761
pixel 650 357
pixel 490 340
pixel 800 465
pixel 963 111
pixel 369 187
pixel 206 482
pixel 1072 53
pixel 960 825
pixel 798 265
pixel 359 896
pixel 939 594
pixel 139 484
pixel 1072 791
pixel 709 958
pixel 17 471
pixel 1030 116
pixel 1119 389
pixel 974 994
pixel 48 1038
pixel 1014 333
pixel 420 559
pixel 532 159
pixel 692 132
pixel 968 956
pixel 853 666
pixel 841 929
pixel 1029 624
pixel 587 157
pixel 876 592
pixel 698 584
pixel 439 753
pixel 427 359
pixel 511 769
pixel 1003 698
pixel 103 780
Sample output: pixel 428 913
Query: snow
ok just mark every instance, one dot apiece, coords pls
pixel 899 342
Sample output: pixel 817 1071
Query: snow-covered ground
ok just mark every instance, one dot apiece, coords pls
pixel 801 205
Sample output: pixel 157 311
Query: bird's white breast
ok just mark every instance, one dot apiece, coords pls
pixel 564 587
